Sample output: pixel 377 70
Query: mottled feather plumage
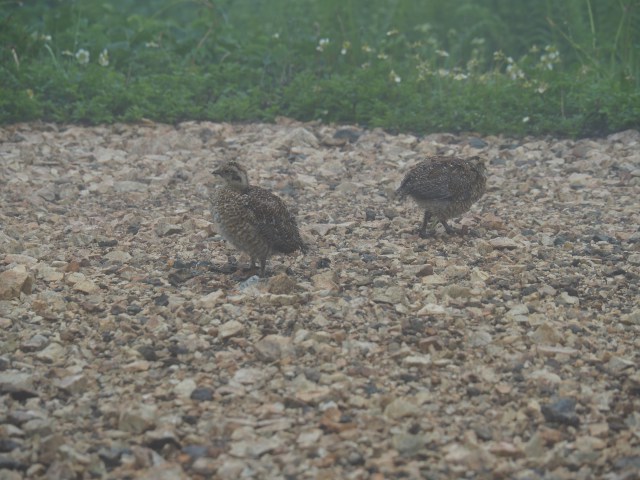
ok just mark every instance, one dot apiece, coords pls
pixel 252 218
pixel 445 187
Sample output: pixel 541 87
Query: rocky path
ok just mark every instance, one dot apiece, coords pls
pixel 133 345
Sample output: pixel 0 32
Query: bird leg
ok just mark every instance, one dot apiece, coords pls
pixel 263 264
pixel 425 222
pixel 251 265
pixel 447 227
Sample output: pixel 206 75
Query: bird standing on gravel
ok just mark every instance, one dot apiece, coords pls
pixel 252 218
pixel 444 187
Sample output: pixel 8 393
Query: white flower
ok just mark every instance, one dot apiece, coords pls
pixel 442 53
pixel 460 76
pixel 151 45
pixel 525 119
pixel 103 58
pixel 549 59
pixel 394 76
pixel 82 56
pixel 276 35
pixel 323 42
pixel 514 71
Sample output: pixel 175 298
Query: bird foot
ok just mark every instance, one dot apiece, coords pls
pixel 464 230
pixel 246 274
pixel 461 232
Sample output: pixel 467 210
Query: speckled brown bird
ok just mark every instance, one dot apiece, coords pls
pixel 444 187
pixel 252 218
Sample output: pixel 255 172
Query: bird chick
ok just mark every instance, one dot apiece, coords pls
pixel 252 218
pixel 445 187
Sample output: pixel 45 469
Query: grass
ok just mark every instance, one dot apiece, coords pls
pixel 566 68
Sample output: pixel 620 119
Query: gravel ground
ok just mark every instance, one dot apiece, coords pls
pixel 135 345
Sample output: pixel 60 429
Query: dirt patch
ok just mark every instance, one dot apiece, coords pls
pixel 134 345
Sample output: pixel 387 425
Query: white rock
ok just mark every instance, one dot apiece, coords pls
pixel 12 380
pixel 408 443
pixel 309 438
pixel 127 186
pixel 520 309
pixel 163 471
pixel 231 468
pixel 49 274
pixel 185 387
pixel 212 299
pixel 73 384
pixel 230 329
pixel 74 277
pixel 579 179
pixel 565 299
pixel 479 338
pixel 118 256
pixel 85 286
pixel 254 448
pixel 431 309
pixel 248 376
pixel 137 419
pixel 434 279
pixel 19 259
pixel 298 137
pixel 503 243
pixel 617 364
pixel 417 361
pixel 15 281
pixel 53 353
pixel 632 318
pixel 35 343
pixel 546 334
pixel 544 376
pixel 321 228
pixel 400 408
pixel 634 259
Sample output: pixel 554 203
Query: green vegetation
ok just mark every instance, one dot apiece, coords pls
pixel 569 68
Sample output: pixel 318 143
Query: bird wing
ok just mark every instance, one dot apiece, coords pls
pixel 273 219
pixel 428 182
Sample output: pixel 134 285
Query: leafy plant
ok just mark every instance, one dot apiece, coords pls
pixel 489 66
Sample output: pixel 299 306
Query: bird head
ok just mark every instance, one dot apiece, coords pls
pixel 479 165
pixel 233 175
